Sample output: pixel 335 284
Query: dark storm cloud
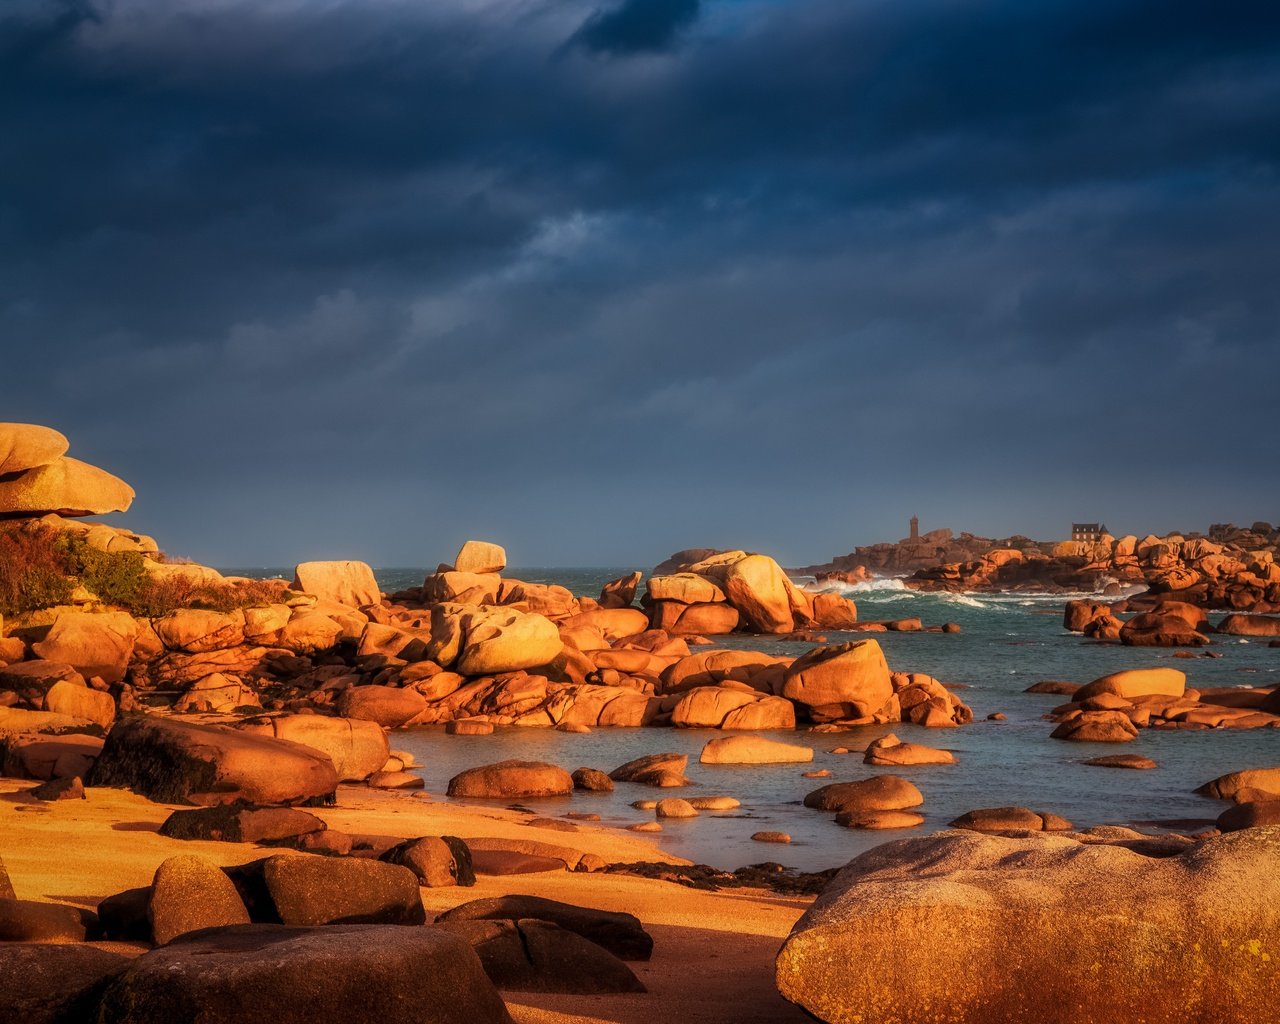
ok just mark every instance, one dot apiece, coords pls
pixel 368 277
pixel 636 26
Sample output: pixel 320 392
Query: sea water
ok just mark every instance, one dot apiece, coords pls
pixel 1006 643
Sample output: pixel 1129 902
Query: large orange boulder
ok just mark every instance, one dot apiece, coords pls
pixel 685 587
pixel 707 668
pixel 349 583
pixel 66 486
pixel 1042 929
pixel 1136 682
pixel 753 750
pixel 709 619
pixel 356 748
pixel 854 675
pixel 760 590
pixel 524 779
pixel 834 611
pixel 1233 785
pixel 94 644
pixel 181 762
pixel 1160 628
pixel 1079 614
pixel 480 556
pixel 26 446
pixel 878 793
pixel 1250 625
pixel 197 630
pixel 889 750
pixel 503 640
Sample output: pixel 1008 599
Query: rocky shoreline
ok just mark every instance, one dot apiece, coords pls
pixel 216 755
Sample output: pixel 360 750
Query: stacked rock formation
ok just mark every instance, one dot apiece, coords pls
pixel 38 478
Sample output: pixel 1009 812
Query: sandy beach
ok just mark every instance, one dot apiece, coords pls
pixel 713 955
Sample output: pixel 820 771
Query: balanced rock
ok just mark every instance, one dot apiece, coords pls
pixel 290 975
pixel 66 486
pixel 349 583
pixel 512 779
pixel 954 911
pixel 26 446
pixel 480 556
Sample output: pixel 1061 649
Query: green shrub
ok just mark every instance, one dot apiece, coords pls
pixel 33 571
pixel 116 578
pixel 40 568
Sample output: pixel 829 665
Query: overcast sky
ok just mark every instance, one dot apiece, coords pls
pixel 601 280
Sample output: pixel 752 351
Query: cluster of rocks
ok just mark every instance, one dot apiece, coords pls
pixel 1040 927
pixel 1113 708
pixel 1231 568
pixel 290 937
pixel 468 648
pixel 1161 621
pixel 1203 572
pixel 1254 794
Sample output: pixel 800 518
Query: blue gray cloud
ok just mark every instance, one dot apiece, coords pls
pixel 366 278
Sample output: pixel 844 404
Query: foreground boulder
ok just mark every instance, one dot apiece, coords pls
pixel 620 933
pixel 368 974
pixel 189 893
pixel 1041 929
pixel 94 644
pixel 307 890
pixel 54 984
pixel 1245 785
pixel 512 779
pixel 181 762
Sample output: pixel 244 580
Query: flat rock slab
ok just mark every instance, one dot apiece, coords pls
pixel 359 974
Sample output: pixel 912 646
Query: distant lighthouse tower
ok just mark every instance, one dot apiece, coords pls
pixel 915 527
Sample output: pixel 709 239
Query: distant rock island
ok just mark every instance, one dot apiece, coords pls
pixel 1230 567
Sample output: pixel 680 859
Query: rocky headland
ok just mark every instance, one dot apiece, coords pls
pixel 1231 568
pixel 206 815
